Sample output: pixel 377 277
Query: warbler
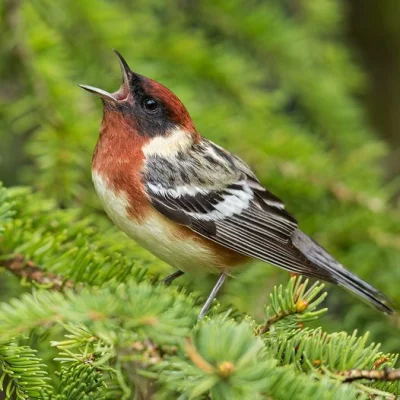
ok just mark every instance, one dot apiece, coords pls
pixel 192 203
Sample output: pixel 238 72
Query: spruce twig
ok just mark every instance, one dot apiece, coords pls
pixel 385 375
pixel 27 269
pixel 273 320
pixel 295 302
pixel 196 357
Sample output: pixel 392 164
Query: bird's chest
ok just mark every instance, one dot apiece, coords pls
pixel 153 231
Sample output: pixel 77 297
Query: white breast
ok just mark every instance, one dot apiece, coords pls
pixel 156 233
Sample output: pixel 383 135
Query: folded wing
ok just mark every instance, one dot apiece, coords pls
pixel 242 216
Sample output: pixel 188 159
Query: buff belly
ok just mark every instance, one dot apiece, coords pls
pixel 156 233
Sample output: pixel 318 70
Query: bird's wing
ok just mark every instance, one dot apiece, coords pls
pixel 216 195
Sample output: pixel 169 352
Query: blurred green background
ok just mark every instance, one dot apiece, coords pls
pixel 306 91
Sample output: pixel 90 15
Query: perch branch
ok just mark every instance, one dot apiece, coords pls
pixel 385 374
pixel 22 268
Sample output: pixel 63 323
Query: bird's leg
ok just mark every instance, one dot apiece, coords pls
pixel 170 278
pixel 212 295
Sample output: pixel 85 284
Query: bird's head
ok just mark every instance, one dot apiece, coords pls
pixel 150 108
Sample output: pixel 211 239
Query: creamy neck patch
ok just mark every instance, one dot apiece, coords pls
pixel 168 146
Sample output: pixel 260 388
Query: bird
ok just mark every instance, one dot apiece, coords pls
pixel 192 203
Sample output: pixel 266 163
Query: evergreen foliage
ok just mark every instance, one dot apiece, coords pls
pixel 119 337
pixel 84 315
pixel 22 373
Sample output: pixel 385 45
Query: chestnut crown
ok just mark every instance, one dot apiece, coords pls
pixel 152 108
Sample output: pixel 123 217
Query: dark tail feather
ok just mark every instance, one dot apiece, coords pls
pixel 365 290
pixel 321 258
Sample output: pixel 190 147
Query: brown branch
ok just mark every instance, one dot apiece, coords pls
pixel 271 321
pixel 385 374
pixel 197 358
pixel 300 306
pixel 27 269
pixel 225 369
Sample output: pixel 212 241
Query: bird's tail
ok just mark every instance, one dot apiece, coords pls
pixel 322 259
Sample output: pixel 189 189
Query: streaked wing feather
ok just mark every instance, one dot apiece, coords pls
pixel 224 202
pixel 263 232
pixel 249 240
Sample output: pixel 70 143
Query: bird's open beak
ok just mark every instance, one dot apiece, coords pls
pixel 122 93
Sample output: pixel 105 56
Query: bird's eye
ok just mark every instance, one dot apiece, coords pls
pixel 150 104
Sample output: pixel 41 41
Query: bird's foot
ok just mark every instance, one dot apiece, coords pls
pixel 170 278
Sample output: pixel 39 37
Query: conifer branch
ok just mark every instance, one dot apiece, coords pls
pixel 196 357
pixel 295 303
pixel 273 320
pixel 79 381
pixel 27 269
pixel 18 366
pixel 385 375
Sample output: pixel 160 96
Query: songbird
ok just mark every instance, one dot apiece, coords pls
pixel 192 203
